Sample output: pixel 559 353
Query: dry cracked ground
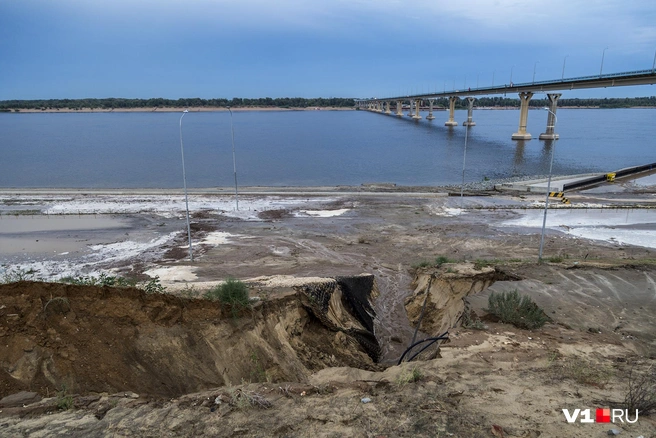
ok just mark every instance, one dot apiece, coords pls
pixel 101 361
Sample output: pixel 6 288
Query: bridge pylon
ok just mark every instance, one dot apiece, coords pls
pixel 549 134
pixel 521 134
pixel 452 109
pixel 430 110
pixel 470 111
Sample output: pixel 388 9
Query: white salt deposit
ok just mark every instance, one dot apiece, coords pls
pixel 323 213
pixel 173 273
pixel 624 226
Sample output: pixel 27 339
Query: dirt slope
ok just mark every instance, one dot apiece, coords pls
pixel 98 339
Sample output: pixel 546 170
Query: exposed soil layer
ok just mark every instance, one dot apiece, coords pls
pixel 91 339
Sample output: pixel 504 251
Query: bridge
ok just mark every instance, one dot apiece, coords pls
pixel 525 91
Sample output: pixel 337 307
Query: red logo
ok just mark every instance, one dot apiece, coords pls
pixel 603 415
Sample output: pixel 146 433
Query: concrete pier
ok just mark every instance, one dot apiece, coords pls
pixel 417 116
pixel 410 109
pixel 430 110
pixel 549 134
pixel 521 134
pixel 399 108
pixel 452 108
pixel 387 108
pixel 470 110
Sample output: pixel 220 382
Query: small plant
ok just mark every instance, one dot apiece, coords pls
pixel 241 399
pixel 482 263
pixel 520 311
pixel 102 280
pixel 64 401
pixel 233 293
pixel 57 305
pixel 18 274
pixel 409 376
pixel 421 264
pixel 555 259
pixel 642 392
pixel 154 286
pixel 440 260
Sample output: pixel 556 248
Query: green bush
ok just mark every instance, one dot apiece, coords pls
pixel 233 293
pixel 520 311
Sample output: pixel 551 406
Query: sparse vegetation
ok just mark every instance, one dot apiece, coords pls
pixel 233 293
pixel 473 323
pixel 153 286
pixel 101 280
pixel 555 259
pixel 64 400
pixel 583 371
pixel 439 261
pixel 642 392
pixel 57 305
pixel 520 311
pixel 409 376
pixel 241 399
pixel 16 275
pixel 482 263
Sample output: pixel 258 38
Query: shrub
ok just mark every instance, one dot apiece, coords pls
pixel 153 286
pixel 64 400
pixel 409 376
pixel 520 311
pixel 642 392
pixel 233 293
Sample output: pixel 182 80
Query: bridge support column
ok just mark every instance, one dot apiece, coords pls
pixel 452 108
pixel 417 108
pixel 549 134
pixel 379 107
pixel 387 108
pixel 410 110
pixel 521 134
pixel 470 110
pixel 430 110
pixel 399 108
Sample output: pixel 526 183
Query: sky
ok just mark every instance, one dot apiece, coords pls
pixel 55 49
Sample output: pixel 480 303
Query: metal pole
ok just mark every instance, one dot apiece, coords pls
pixel 563 75
pixel 602 61
pixel 184 179
pixel 464 160
pixel 234 160
pixel 546 203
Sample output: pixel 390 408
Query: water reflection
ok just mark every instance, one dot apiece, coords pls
pixel 518 158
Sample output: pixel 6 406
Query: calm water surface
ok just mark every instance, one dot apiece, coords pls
pixel 309 148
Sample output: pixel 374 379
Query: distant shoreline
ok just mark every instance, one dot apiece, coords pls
pixel 173 109
pixel 263 108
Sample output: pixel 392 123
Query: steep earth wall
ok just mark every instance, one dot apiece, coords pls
pixel 99 339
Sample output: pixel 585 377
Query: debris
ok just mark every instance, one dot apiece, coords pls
pixel 366 400
pixel 497 431
pixel 613 432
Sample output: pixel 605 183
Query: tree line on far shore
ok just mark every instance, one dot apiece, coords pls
pixel 298 102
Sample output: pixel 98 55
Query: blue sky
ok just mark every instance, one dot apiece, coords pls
pixel 311 48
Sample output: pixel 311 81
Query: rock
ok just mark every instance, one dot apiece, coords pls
pixel 366 400
pixel 19 399
pixel 614 432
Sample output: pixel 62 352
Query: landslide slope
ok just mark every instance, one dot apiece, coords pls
pixel 91 339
